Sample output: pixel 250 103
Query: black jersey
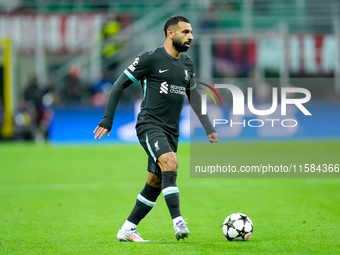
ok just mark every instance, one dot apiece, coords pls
pixel 164 81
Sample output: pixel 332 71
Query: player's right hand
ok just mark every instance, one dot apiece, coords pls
pixel 100 132
pixel 213 137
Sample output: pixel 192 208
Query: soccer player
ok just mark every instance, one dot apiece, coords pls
pixel 165 78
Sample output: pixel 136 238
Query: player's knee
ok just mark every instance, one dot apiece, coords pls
pixel 170 165
pixel 168 162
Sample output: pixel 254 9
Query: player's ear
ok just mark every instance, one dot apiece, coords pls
pixel 170 33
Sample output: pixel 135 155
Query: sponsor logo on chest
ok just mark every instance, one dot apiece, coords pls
pixel 172 89
pixel 165 88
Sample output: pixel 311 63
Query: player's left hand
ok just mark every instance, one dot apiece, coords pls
pixel 213 137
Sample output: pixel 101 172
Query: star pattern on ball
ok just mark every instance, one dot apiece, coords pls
pixel 244 218
pixel 241 233
pixel 230 223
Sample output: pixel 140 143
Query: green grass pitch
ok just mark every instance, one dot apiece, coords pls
pixel 73 199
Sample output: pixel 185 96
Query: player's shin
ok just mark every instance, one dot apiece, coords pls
pixel 146 199
pixel 171 195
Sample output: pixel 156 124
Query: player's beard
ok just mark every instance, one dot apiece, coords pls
pixel 179 46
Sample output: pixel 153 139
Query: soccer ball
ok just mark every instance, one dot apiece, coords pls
pixel 237 226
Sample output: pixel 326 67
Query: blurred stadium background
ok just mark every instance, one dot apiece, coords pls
pixel 58 59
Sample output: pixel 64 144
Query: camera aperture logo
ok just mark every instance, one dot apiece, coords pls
pixel 204 96
pixel 239 106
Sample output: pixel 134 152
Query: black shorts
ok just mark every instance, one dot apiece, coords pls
pixel 155 143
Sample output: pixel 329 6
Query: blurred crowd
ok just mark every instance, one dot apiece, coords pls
pixel 37 102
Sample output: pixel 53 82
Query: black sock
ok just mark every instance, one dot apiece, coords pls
pixel 171 193
pixel 145 201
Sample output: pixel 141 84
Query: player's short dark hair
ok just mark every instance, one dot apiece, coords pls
pixel 172 21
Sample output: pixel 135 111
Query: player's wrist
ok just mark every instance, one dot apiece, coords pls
pixel 210 130
pixel 106 123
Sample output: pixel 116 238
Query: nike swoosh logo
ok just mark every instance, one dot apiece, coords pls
pixel 162 71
